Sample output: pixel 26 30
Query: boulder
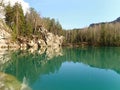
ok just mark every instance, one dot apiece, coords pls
pixel 9 82
pixel 33 44
pixel 51 40
pixel 41 43
pixel 23 46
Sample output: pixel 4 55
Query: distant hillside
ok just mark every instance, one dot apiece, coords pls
pixel 101 23
pixel 117 20
pixel 97 34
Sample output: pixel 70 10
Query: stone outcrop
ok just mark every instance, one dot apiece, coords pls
pixel 50 39
pixel 41 43
pixel 47 40
pixel 5 37
pixel 9 82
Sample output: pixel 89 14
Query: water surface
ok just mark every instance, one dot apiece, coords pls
pixel 63 69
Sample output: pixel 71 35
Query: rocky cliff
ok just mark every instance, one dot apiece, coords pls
pixel 5 36
pixel 47 39
pixel 51 39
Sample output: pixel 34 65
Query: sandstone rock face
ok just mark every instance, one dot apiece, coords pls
pixel 2 12
pixel 5 37
pixel 4 31
pixel 41 43
pixel 51 39
pixel 48 40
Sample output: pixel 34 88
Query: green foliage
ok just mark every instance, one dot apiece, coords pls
pixel 52 26
pixel 32 20
pixel 19 19
pixel 15 19
pixel 103 34
pixel 9 15
pixel 26 25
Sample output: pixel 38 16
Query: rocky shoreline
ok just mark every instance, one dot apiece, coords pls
pixel 47 39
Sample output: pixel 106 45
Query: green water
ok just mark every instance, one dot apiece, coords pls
pixel 65 69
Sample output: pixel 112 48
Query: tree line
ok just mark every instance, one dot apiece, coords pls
pixel 106 34
pixel 26 24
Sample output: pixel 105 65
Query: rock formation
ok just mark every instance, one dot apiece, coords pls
pixel 47 39
pixel 9 82
pixel 50 39
pixel 5 37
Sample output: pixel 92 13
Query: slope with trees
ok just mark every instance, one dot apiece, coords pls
pixel 100 34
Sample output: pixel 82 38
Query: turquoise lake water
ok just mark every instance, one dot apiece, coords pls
pixel 63 69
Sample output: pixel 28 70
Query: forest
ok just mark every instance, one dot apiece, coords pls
pixel 107 34
pixel 26 24
pixel 102 34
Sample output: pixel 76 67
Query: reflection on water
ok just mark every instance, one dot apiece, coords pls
pixel 4 57
pixel 50 52
pixel 27 67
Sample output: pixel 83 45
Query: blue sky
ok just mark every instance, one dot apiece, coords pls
pixel 77 13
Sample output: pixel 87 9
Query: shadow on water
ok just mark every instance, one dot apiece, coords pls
pixel 34 64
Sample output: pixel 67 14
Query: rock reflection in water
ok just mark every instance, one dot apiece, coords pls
pixel 28 65
pixel 4 56
pixel 49 51
pixel 53 52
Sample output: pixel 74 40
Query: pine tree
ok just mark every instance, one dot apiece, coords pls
pixel 15 19
pixel 9 15
pixel 19 19
pixel 28 25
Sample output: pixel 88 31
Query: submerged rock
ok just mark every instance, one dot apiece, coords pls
pixel 9 82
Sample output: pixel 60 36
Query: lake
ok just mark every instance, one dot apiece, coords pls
pixel 91 68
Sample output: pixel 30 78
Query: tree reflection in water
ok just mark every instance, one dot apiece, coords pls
pixel 32 65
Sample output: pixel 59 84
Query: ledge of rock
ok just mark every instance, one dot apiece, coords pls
pixel 48 40
pixel 5 37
